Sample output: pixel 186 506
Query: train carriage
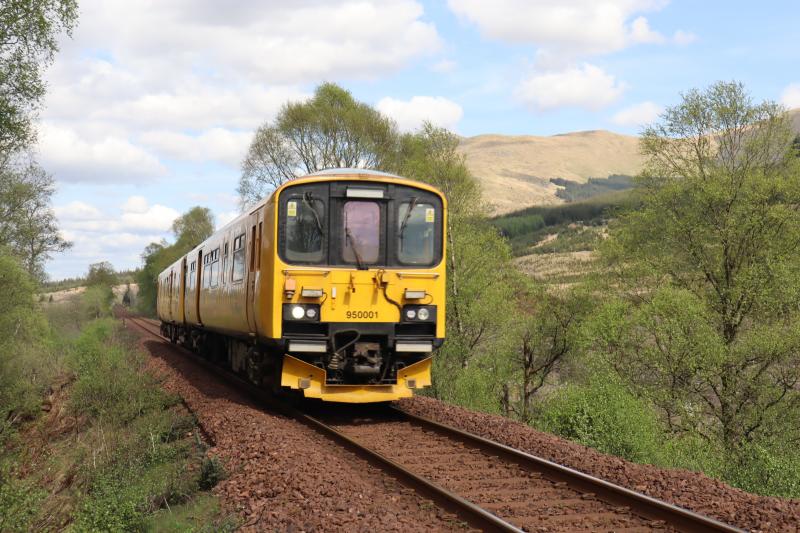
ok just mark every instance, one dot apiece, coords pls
pixel 334 286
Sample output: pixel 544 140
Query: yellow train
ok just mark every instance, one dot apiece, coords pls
pixel 334 286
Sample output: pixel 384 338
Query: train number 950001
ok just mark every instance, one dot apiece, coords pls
pixel 369 315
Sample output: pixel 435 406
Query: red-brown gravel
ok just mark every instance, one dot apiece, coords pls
pixel 691 490
pixel 282 475
pixel 513 492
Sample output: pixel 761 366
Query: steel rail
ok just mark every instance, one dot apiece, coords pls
pixel 641 504
pixel 638 503
pixel 469 512
pixel 474 515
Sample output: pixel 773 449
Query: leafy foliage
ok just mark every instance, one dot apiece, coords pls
pixel 28 227
pixel 23 373
pixel 190 229
pixel 699 314
pixel 29 30
pixel 572 222
pixel 332 130
pixel 603 415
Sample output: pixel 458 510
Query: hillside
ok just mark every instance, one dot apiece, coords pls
pixel 515 171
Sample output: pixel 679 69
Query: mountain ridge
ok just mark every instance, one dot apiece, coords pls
pixel 515 170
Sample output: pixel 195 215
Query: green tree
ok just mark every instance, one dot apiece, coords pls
pixel 102 274
pixel 330 130
pixel 99 296
pixel 193 227
pixel 29 30
pixel 190 229
pixel 21 332
pixel 543 338
pixel 712 263
pixel 28 227
pixel 480 277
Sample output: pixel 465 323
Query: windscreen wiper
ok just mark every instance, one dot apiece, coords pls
pixel 404 223
pixel 349 236
pixel 308 199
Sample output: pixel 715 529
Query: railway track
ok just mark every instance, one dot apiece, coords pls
pixel 491 486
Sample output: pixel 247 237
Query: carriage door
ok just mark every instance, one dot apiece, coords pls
pixel 254 269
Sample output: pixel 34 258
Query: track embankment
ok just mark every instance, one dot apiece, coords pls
pixel 282 475
pixel 691 490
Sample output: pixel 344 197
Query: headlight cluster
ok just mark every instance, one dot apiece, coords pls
pixel 304 312
pixel 419 313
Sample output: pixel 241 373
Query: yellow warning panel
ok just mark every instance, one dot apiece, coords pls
pixel 297 374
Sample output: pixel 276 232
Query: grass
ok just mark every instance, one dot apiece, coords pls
pixel 114 452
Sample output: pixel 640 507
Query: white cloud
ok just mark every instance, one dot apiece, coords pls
pixel 179 73
pixel 790 97
pixel 136 216
pixel 77 211
pixel 153 218
pixel 216 144
pixel 275 42
pixel 410 114
pixel 573 28
pixel 74 158
pixel 638 114
pixel 135 204
pixel 586 86
pixel 683 38
pixel 642 33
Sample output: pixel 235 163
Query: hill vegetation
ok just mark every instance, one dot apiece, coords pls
pixel 569 227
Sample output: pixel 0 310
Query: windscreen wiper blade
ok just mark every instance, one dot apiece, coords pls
pixel 404 223
pixel 351 239
pixel 308 200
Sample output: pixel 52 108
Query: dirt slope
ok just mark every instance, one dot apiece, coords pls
pixel 515 171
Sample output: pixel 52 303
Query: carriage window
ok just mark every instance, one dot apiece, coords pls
pixel 238 258
pixel 192 276
pixel 361 233
pixel 305 229
pixel 415 233
pixel 214 268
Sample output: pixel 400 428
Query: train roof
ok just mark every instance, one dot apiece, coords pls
pixel 353 171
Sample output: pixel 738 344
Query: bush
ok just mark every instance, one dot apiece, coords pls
pixel 97 301
pixel 19 503
pixel 605 416
pixel 26 364
pixel 769 470
pixel 109 385
pixel 211 472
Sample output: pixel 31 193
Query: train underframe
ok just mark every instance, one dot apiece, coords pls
pixel 354 366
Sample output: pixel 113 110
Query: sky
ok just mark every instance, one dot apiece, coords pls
pixel 151 105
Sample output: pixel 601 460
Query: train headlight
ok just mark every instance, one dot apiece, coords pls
pixel 302 312
pixel 419 313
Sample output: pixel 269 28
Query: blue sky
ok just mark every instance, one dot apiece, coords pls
pixel 152 104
